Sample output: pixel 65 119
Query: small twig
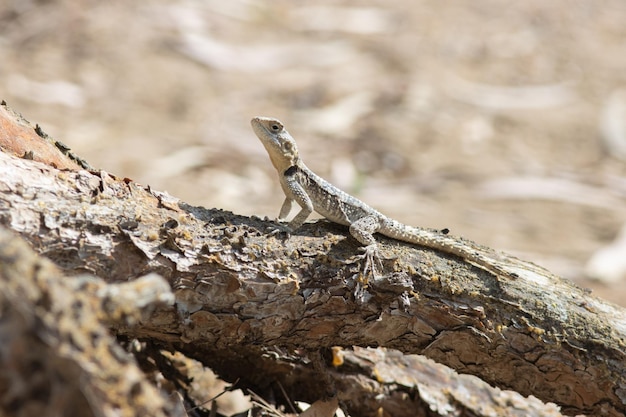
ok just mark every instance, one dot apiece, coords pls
pixel 260 402
pixel 282 389
pixel 231 388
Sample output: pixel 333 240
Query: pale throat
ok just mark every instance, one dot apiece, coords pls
pixel 282 162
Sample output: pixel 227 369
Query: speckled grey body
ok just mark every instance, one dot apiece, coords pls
pixel 313 193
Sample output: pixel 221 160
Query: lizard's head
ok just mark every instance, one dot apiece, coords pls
pixel 279 144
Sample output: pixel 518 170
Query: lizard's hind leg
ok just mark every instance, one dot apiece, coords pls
pixel 372 263
pixel 363 230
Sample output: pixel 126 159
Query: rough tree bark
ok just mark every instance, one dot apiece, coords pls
pixel 57 355
pixel 267 309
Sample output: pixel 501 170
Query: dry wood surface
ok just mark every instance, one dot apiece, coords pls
pixel 267 309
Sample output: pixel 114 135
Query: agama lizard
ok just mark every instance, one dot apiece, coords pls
pixel 312 192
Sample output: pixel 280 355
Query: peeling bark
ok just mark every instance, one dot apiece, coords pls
pixel 57 357
pixel 259 307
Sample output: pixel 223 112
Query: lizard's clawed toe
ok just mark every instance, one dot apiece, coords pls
pixel 279 230
pixel 372 263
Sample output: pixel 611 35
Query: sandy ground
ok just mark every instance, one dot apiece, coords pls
pixel 503 121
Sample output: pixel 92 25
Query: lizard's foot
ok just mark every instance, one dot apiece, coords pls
pixel 279 229
pixel 372 263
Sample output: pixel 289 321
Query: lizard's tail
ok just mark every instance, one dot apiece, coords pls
pixel 483 257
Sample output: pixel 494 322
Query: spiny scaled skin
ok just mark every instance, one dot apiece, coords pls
pixel 312 192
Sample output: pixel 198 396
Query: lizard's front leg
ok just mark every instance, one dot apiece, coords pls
pixel 307 208
pixel 284 212
pixel 285 209
pixel 295 192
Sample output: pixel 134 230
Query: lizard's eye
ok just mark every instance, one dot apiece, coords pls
pixel 275 127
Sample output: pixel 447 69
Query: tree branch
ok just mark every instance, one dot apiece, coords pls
pixel 57 357
pixel 241 293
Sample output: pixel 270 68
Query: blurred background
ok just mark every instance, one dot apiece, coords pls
pixel 503 121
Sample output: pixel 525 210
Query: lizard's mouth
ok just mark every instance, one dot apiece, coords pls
pixel 263 132
pixel 273 145
pixel 270 143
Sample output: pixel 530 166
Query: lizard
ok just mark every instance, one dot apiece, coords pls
pixel 313 193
